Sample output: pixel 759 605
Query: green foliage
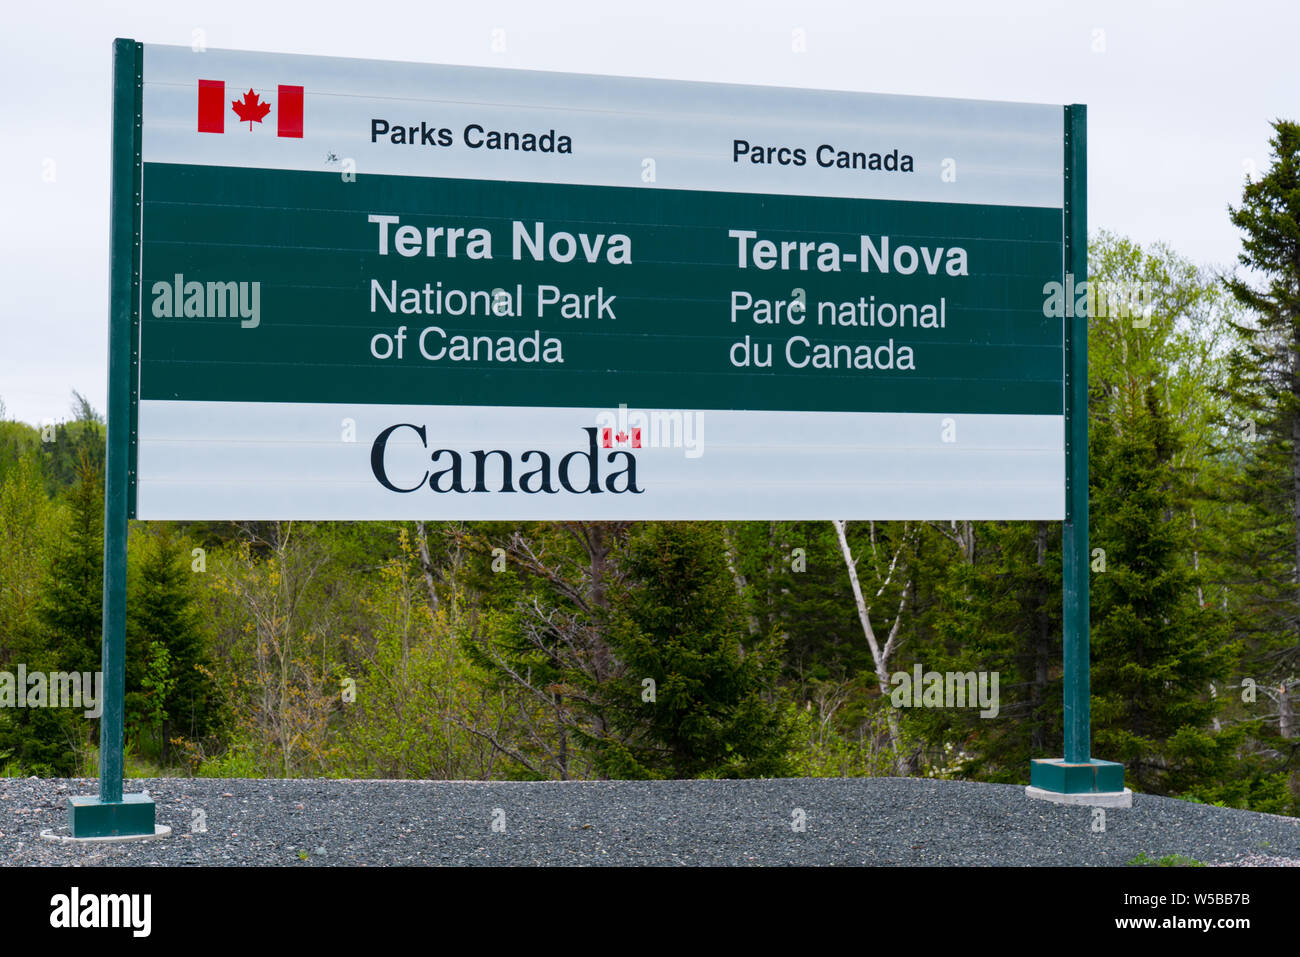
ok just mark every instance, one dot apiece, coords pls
pixel 156 686
pixel 795 584
pixel 42 741
pixel 1269 216
pixel 1260 549
pixel 1156 651
pixel 418 693
pixel 73 448
pixel 18 441
pixel 238 762
pixel 70 609
pixel 1254 791
pixel 280 613
pixel 1169 860
pixel 170 689
pixel 676 621
pixel 134 764
pixel 26 520
pixel 65 623
pixel 540 634
pixel 1260 427
pixel 1000 612
pixel 824 749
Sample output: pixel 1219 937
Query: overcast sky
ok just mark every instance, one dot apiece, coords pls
pixel 1179 95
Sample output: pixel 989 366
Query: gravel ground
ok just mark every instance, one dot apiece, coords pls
pixel 855 821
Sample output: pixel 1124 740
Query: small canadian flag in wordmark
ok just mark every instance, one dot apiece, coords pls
pixel 250 108
pixel 608 437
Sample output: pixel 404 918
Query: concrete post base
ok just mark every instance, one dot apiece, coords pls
pixel 1122 798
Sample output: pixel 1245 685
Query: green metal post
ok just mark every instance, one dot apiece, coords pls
pixel 1077 773
pixel 124 281
pixel 1075 558
pixel 112 814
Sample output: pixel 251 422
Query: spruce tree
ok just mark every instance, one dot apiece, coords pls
pixel 1263 449
pixel 999 613
pixel 66 633
pixel 677 619
pixel 1265 390
pixel 538 627
pixel 796 586
pixel 76 444
pixel 1155 650
pixel 70 609
pixel 25 519
pixel 164 632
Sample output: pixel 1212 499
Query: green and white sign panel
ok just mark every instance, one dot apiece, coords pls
pixel 374 290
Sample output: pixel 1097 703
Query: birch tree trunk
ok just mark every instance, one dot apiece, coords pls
pixel 426 565
pixel 879 655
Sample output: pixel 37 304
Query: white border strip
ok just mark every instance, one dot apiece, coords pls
pixel 964 151
pixel 246 460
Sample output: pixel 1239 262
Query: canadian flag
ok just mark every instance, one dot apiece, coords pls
pixel 608 438
pixel 250 108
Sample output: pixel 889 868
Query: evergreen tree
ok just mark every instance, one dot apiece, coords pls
pixel 75 444
pixel 17 442
pixel 794 584
pixel 1262 450
pixel 1155 650
pixel 70 609
pixel 169 675
pixel 66 633
pixel 25 519
pixel 1000 612
pixel 1265 389
pixel 677 619
pixel 540 631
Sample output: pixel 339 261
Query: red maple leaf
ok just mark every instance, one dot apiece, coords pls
pixel 251 109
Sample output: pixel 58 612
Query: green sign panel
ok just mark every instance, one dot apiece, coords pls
pixel 395 290
pixel 469 292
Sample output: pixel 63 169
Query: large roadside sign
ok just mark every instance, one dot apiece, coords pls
pixel 344 289
pixel 393 290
